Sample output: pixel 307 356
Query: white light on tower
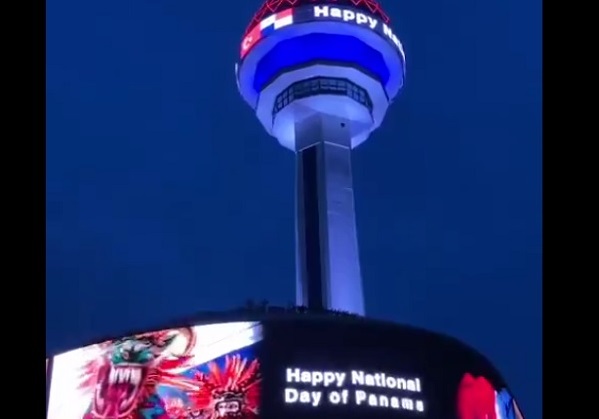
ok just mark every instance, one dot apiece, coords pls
pixel 320 76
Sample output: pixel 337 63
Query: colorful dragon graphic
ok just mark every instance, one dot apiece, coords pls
pixel 176 408
pixel 232 392
pixel 124 378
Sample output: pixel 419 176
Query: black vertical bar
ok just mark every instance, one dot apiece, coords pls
pixel 311 226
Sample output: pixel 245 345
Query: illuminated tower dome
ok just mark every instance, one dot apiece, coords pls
pixel 320 75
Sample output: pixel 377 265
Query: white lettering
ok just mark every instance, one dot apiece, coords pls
pixel 344 396
pixel 407 404
pixel 372 22
pixel 291 395
pixel 314 397
pixel 360 378
pixel 335 12
pixel 360 397
pixel 305 397
pixel 389 33
pixel 315 378
pixel 321 11
pixel 293 375
pixel 389 392
pixel 393 402
pixel 335 397
pixel 338 397
pixel 348 15
pixel 360 19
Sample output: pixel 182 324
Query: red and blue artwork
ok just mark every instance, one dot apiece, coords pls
pixel 200 372
pixel 478 399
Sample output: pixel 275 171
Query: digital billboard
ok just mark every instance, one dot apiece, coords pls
pixel 293 368
pixel 209 372
pixel 367 369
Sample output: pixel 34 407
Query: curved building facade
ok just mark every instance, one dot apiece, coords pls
pixel 278 365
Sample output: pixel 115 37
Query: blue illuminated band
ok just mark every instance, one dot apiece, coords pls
pixel 319 48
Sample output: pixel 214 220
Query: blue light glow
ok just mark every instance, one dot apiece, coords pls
pixel 319 47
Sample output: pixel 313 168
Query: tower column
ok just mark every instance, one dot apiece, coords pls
pixel 328 266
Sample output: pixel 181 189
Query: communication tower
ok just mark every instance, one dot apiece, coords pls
pixel 320 75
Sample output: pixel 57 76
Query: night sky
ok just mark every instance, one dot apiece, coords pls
pixel 165 196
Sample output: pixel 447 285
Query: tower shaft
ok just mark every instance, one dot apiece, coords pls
pixel 328 266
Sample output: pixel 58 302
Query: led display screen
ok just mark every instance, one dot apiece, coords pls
pixel 318 13
pixel 273 6
pixel 208 372
pixel 339 370
pixel 292 368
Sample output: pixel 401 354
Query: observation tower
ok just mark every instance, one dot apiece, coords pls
pixel 320 76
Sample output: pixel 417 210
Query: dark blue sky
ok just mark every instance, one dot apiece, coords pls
pixel 165 196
